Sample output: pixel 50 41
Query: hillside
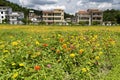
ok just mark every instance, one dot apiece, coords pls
pixel 16 7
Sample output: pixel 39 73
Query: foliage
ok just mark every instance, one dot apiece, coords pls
pixel 83 23
pixel 95 23
pixel 55 55
pixel 42 23
pixel 111 15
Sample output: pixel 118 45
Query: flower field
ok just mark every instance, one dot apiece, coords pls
pixel 57 53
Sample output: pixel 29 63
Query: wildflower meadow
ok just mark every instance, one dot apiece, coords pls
pixel 59 53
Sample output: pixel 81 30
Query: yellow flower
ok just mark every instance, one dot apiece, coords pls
pixel 84 70
pixel 81 51
pixel 72 55
pixel 2 46
pixel 5 51
pixel 14 43
pixel 100 53
pixel 95 36
pixel 11 37
pixel 112 42
pixel 97 45
pixel 89 63
pixel 21 64
pixel 37 43
pixel 15 75
pixel 97 57
pixel 13 64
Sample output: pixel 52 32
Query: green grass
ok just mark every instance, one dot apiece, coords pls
pixel 59 53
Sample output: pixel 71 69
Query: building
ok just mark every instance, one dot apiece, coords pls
pixel 82 16
pixel 35 19
pixel 16 18
pixel 55 16
pixel 91 17
pixel 6 15
pixel 96 16
pixel 4 12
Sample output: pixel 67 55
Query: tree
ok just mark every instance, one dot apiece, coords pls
pixel 118 18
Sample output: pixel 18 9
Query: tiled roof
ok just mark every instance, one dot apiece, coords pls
pixel 83 12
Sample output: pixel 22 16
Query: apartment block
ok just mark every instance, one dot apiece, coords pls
pixel 82 16
pixel 4 11
pixel 7 14
pixel 53 16
pixel 95 16
pixel 16 17
pixel 91 16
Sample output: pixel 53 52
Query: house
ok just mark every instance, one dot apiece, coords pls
pixel 82 16
pixel 91 17
pixel 68 20
pixel 16 18
pixel 9 16
pixel 4 12
pixel 55 16
pixel 96 16
pixel 35 19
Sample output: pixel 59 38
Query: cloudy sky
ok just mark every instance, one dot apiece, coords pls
pixel 70 6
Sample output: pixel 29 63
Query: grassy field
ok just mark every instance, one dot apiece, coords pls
pixel 59 52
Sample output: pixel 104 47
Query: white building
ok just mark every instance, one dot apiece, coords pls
pixel 4 11
pixel 16 18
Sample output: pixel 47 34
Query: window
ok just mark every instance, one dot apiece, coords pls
pixel 2 12
pixel 2 16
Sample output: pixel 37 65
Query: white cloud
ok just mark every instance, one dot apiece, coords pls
pixel 50 7
pixel 103 6
pixel 70 6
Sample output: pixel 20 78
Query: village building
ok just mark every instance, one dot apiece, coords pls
pixel 90 17
pixel 55 16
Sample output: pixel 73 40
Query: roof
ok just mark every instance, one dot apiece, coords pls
pixel 47 11
pixel 82 12
pixel 94 10
pixel 52 11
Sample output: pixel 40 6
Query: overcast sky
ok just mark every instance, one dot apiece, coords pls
pixel 70 6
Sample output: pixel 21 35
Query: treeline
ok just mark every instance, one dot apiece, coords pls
pixel 112 15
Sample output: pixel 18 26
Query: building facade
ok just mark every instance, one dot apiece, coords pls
pixel 35 19
pixel 54 16
pixel 7 16
pixel 82 16
pixel 4 12
pixel 96 16
pixel 90 17
pixel 16 18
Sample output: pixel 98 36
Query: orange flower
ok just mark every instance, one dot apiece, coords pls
pixel 61 39
pixel 45 45
pixel 37 68
pixel 57 51
pixel 64 46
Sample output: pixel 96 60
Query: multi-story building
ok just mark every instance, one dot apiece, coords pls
pixel 9 16
pixel 53 16
pixel 82 16
pixel 95 16
pixel 4 11
pixel 91 16
pixel 16 18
